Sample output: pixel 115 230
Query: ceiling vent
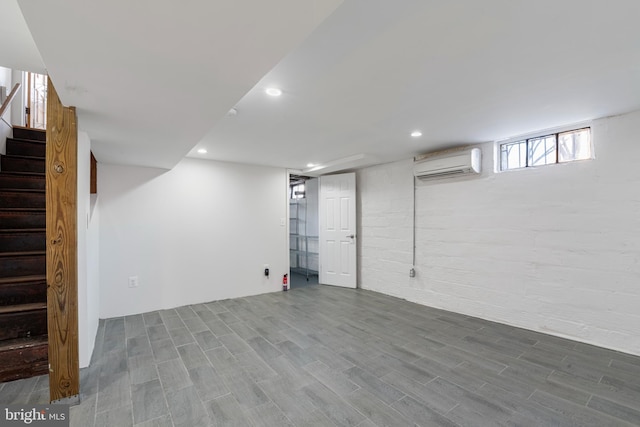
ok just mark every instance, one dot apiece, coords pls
pixel 457 163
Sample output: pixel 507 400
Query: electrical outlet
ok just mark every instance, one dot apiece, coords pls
pixel 133 282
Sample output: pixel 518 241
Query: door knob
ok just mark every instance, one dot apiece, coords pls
pixel 351 236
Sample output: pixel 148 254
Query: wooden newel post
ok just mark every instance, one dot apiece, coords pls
pixel 62 261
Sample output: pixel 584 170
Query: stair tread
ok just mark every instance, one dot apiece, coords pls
pixel 22 230
pixel 20 173
pixel 27 140
pixel 22 253
pixel 31 129
pixel 23 279
pixel 18 343
pixel 22 190
pixel 22 307
pixel 17 156
pixel 26 210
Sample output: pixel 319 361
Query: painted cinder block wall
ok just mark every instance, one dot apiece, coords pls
pixel 554 249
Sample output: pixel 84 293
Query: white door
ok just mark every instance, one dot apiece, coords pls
pixel 338 230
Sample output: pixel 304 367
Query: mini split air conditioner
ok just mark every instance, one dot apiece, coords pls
pixel 450 164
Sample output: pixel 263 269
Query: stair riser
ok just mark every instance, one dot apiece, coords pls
pixel 23 324
pixel 17 241
pixel 13 220
pixel 25 265
pixel 22 182
pixel 18 164
pixel 9 199
pixel 33 134
pixel 24 363
pixel 23 293
pixel 25 148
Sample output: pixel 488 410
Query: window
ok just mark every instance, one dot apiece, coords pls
pixel 296 186
pixel 545 150
pixel 297 191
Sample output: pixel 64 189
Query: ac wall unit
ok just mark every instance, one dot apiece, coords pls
pixel 457 163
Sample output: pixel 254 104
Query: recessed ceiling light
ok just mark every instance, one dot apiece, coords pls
pixel 202 151
pixel 273 91
pixel 416 133
pixel 310 165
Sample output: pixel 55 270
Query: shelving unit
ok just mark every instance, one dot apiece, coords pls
pixel 303 250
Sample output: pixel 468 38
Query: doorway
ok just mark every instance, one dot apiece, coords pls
pixel 36 101
pixel 303 231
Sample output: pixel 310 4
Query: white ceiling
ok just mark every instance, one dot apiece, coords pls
pixel 17 49
pixel 149 78
pixel 152 79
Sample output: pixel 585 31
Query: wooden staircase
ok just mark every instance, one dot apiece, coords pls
pixel 23 288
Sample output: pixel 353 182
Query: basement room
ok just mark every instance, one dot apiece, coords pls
pixel 320 213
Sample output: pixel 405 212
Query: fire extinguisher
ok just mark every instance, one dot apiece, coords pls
pixel 285 286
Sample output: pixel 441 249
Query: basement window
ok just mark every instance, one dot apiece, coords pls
pixel 544 150
pixel 297 191
pixel 296 186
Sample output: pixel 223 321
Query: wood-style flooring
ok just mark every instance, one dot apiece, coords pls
pixel 323 356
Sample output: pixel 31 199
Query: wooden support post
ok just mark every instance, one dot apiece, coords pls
pixel 62 261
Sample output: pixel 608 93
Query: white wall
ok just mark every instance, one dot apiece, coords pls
pixel 5 131
pixel 88 271
pixel 313 197
pixel 554 249
pixel 199 232
pixel 385 214
pixel 18 103
pixel 312 189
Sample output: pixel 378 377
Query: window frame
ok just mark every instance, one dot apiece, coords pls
pixel 555 133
